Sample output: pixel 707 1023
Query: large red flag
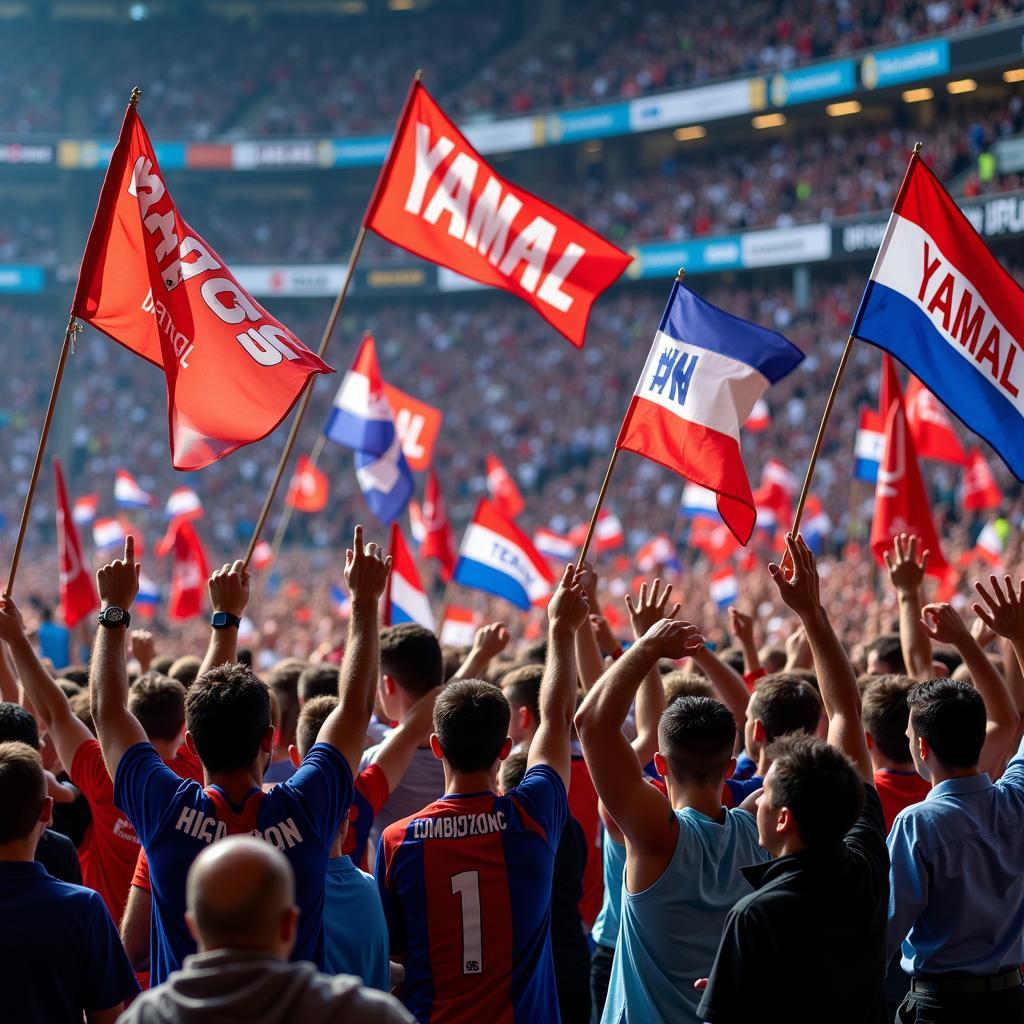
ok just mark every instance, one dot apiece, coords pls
pixel 77 593
pixel 152 284
pixel 437 529
pixel 308 490
pixel 503 489
pixel 190 572
pixel 901 501
pixel 980 490
pixel 889 389
pixel 438 198
pixel 930 426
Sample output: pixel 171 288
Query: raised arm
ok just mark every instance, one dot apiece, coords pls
pixel 399 746
pixel 799 588
pixel 639 810
pixel 366 573
pixel 567 612
pixel 650 608
pixel 66 731
pixel 906 574
pixel 741 626
pixel 728 684
pixel 118 729
pixel 589 663
pixel 229 596
pixel 8 680
pixel 488 642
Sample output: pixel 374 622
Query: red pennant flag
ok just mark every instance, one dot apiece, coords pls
pixel 930 426
pixel 502 488
pixel 889 390
pixel 308 490
pixel 437 540
pixel 438 198
pixel 77 593
pixel 152 284
pixel 901 501
pixel 418 425
pixel 190 573
pixel 980 490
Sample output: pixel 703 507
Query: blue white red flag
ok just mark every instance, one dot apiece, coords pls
pixel 760 417
pixel 459 627
pixel 723 587
pixel 941 303
pixel 149 592
pixel 554 545
pixel 83 509
pixel 705 371
pixel 184 503
pixel 107 534
pixel 699 503
pixel 869 446
pixel 658 551
pixel 405 600
pixel 340 601
pixel 497 557
pixel 128 493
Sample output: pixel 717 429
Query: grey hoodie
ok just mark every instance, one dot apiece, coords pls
pixel 233 986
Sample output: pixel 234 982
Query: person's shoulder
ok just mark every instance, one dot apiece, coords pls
pixel 346 994
pixel 540 777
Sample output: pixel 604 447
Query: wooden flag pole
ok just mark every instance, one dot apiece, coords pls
pixel 286 516
pixel 72 329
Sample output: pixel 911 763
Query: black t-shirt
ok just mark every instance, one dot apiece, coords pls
pixel 60 858
pixel 809 942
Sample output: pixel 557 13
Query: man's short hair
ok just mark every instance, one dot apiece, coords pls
pixel 733 657
pixel 885 711
pixel 696 736
pixel 819 785
pixel 512 770
pixel 535 652
pixel 227 712
pixel 158 702
pixel 185 669
pixel 949 658
pixel 22 790
pixel 772 658
pixel 888 649
pixel 283 679
pixel 318 681
pixel 17 725
pixel 685 684
pixel 471 720
pixel 411 655
pixel 949 714
pixel 311 719
pixel 162 663
pixel 784 703
pixel 521 687
pixel 77 674
pixel 81 708
pixel 67 687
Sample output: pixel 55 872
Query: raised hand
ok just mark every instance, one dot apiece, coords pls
pixel 906 573
pixel 366 570
pixel 674 639
pixel 587 577
pixel 982 632
pixel 143 647
pixel 118 581
pixel 491 640
pixel 798 583
pixel 229 588
pixel 650 607
pixel 1003 611
pixel 12 628
pixel 942 623
pixel 607 641
pixel 569 605
pixel 741 626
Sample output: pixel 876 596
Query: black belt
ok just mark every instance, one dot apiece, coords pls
pixel 966 984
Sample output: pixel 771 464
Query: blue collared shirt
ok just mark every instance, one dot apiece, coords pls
pixel 956 900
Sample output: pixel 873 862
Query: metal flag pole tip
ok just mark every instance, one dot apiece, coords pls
pixel 419 75
pixel 680 274
pixel 135 96
pixel 918 146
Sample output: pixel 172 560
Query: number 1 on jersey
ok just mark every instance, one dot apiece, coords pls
pixel 466 885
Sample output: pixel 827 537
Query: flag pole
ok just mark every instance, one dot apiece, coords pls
pixel 289 508
pixel 680 274
pixel 72 329
pixel 845 358
pixel 339 302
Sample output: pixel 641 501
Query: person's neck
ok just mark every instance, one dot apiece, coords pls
pixel 236 785
pixel 22 851
pixel 167 749
pixel 703 797
pixel 764 762
pixel 470 782
pixel 255 949
pixel 790 844
pixel 881 763
pixel 939 773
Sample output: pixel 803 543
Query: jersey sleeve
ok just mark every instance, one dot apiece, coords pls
pixel 88 771
pixel 109 978
pixel 541 796
pixel 372 784
pixel 141 877
pixel 390 840
pixel 145 789
pixel 322 786
pixel 1013 777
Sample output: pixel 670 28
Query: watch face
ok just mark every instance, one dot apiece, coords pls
pixel 113 614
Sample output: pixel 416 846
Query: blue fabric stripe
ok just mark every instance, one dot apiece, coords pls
pixel 867 470
pixel 894 323
pixel 475 574
pixel 360 434
pixel 399 615
pixel 694 321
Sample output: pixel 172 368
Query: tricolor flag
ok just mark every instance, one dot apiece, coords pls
pixel 459 627
pixel 497 557
pixel 405 600
pixel 361 420
pixel 340 601
pixel 554 546
pixel 760 417
pixel 723 587
pixel 704 372
pixel 148 597
pixel 817 524
pixel 930 426
pixel 417 527
pixel 980 490
pixel 107 534
pixel 438 198
pixel 128 493
pixel 779 485
pixel 83 510
pixel 699 503
pixel 659 550
pixel 868 446
pixel 609 534
pixel 183 502
pixel 941 303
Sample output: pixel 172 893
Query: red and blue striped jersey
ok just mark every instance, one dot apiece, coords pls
pixel 466 888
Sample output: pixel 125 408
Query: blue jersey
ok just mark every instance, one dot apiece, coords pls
pixel 176 819
pixel 466 888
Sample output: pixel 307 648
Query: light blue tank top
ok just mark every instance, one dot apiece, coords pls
pixel 606 927
pixel 669 933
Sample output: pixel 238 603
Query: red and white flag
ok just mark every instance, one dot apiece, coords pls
pixel 262 555
pixel 83 510
pixel 438 542
pixel 77 593
pixel 150 283
pixel 760 417
pixel 609 534
pixel 308 490
pixel 418 426
pixel 107 533
pixel 556 547
pixel 980 490
pixel 189 574
pixel 438 198
pixel 405 600
pixel 930 426
pixel 459 627
pixel 503 489
pixel 183 502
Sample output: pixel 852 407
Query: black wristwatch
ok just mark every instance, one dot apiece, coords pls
pixel 221 620
pixel 112 615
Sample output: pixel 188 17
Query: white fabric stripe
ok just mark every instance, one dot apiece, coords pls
pixel 498 552
pixel 869 445
pixel 384 473
pixel 412 601
pixel 721 390
pixel 354 397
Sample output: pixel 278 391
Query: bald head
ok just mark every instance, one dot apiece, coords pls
pixel 241 895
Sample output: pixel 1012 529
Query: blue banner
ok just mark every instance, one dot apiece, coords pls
pixel 588 123
pixel 818 82
pixel 905 64
pixel 21 279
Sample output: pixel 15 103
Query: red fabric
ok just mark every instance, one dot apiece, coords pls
pixel 449 213
pixel 77 593
pixel 901 501
pixel 583 807
pixel 897 790
pixel 418 425
pixel 308 490
pixel 372 784
pixel 930 426
pixel 190 573
pixel 981 491
pixel 153 285
pixel 889 390
pixel 438 541
pixel 503 489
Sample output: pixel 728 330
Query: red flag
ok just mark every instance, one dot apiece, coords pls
pixel 980 490
pixel 930 427
pixel 502 488
pixel 262 555
pixel 609 534
pixel 437 530
pixel 889 389
pixel 716 540
pixel 901 501
pixel 77 593
pixel 438 198
pixel 418 425
pixel 308 490
pixel 190 572
pixel 153 285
